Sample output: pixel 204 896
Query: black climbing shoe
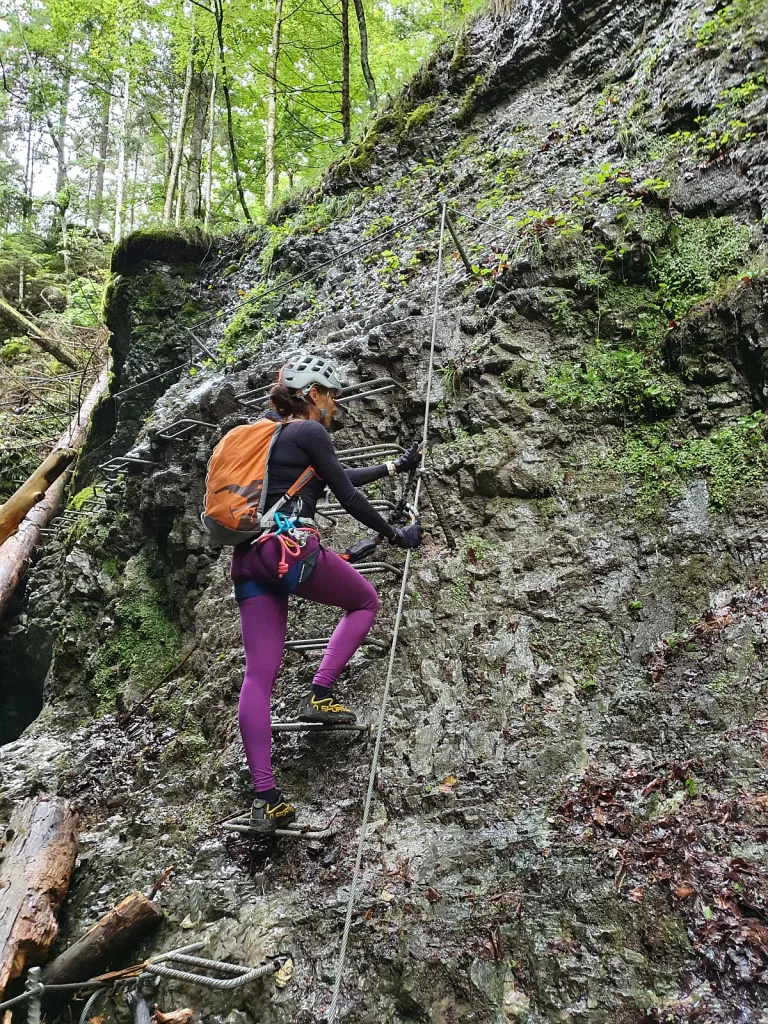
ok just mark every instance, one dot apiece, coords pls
pixel 267 818
pixel 325 710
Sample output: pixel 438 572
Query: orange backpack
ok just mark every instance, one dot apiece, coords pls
pixel 237 483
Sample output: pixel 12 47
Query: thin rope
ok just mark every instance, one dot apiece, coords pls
pixel 334 1007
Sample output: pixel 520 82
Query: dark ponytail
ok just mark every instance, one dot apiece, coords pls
pixel 287 402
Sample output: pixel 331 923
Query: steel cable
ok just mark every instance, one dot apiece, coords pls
pixel 334 1007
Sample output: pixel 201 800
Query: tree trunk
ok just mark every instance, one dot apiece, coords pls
pixel 120 190
pixel 98 195
pixel 183 171
pixel 373 98
pixel 218 9
pixel 345 110
pixel 133 191
pixel 61 134
pixel 13 511
pixel 44 340
pixel 35 870
pixel 179 147
pixel 62 206
pixel 209 149
pixel 16 552
pixel 193 206
pixel 26 203
pixel 270 168
pixel 112 935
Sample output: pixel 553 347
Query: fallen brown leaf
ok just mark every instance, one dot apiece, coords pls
pixel 174 1017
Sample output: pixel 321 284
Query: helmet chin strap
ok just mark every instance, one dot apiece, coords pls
pixel 323 412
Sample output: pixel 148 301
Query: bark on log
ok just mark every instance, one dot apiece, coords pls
pixel 35 869
pixel 45 341
pixel 116 932
pixel 16 552
pixel 32 491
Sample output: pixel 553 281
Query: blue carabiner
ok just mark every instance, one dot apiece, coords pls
pixel 284 524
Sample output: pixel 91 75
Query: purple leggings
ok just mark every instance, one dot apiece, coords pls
pixel 263 623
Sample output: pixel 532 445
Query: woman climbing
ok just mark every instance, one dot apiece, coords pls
pixel 287 558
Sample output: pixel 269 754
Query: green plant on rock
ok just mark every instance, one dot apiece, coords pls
pixel 471 100
pixel 701 251
pixel 615 380
pixel 379 224
pixel 451 379
pixel 658 462
pixel 742 95
pixel 564 318
pixel 145 643
pixel 14 350
pixel 739 16
pixel 418 117
pixel 78 500
pixel 476 548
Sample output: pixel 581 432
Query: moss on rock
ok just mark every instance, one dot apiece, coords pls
pixel 171 245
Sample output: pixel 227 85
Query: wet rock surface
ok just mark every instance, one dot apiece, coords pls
pixel 569 817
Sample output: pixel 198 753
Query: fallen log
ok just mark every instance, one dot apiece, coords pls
pixel 45 341
pixel 32 491
pixel 16 551
pixel 35 867
pixel 115 933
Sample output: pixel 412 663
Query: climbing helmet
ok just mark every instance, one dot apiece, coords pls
pixel 304 370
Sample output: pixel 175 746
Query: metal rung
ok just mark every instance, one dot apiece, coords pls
pixel 120 463
pixel 374 568
pixel 241 823
pixel 321 727
pixel 367 394
pixel 321 642
pixel 380 504
pixel 324 515
pixel 371 450
pixel 365 386
pixel 255 393
pixel 256 397
pixel 372 387
pixel 243 974
pixel 181 428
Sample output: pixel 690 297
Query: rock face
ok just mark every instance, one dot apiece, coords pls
pixel 569 818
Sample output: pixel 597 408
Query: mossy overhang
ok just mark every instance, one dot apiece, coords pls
pixel 168 245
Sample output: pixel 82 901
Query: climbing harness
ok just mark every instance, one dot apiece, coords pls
pixel 333 1009
pixel 292 535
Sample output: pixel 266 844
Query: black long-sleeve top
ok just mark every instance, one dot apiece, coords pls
pixel 303 443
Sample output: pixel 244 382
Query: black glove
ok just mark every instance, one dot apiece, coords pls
pixel 409 460
pixel 408 536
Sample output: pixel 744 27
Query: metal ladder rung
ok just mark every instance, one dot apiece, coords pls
pixel 374 568
pixel 321 727
pixel 369 451
pixel 120 463
pixel 353 391
pixel 366 394
pixel 380 504
pixel 181 428
pixel 321 642
pixel 241 823
pixel 242 975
